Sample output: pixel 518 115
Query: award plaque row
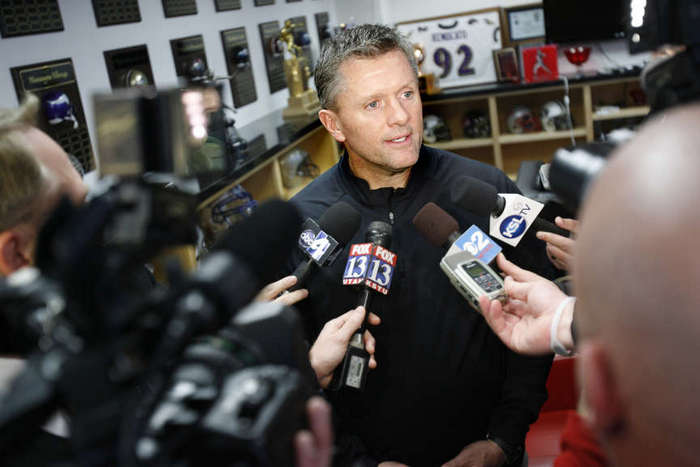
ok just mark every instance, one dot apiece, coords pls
pixel 55 82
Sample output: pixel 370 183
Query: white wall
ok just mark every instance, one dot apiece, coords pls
pixel 84 42
pixel 358 11
pixel 396 11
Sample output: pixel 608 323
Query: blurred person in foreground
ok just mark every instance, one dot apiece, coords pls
pixel 636 273
pixel 35 173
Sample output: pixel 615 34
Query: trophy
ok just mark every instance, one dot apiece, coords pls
pixel 303 102
pixel 426 81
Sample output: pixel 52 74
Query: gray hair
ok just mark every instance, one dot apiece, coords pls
pixel 21 178
pixel 365 40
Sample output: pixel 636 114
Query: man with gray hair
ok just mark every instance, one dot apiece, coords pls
pixel 445 389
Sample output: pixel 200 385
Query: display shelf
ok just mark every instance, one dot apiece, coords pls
pixel 540 136
pixel 627 112
pixel 462 143
pixel 507 150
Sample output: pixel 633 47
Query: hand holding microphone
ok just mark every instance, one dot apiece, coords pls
pixel 371 267
pixel 331 344
pixel 511 215
pixel 536 318
pixel 560 249
pixel 278 292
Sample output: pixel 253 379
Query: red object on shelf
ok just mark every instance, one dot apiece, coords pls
pixel 540 63
pixel 577 55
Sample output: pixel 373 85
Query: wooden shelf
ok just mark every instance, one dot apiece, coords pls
pixel 462 143
pixel 627 112
pixel 540 136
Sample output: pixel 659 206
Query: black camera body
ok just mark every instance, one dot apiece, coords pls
pixel 150 375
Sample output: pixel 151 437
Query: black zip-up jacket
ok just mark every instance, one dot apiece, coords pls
pixel 443 379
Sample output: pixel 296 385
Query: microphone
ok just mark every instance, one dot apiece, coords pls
pixel 466 263
pixel 323 242
pixel 440 229
pixel 247 257
pixel 436 225
pixel 511 214
pixel 370 265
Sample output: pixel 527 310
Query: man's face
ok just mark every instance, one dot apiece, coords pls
pixel 379 115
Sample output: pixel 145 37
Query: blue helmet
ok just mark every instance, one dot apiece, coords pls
pixel 58 108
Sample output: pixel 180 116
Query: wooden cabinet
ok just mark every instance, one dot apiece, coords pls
pixel 270 141
pixel 597 105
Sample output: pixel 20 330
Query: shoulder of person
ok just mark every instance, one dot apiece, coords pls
pixel 322 192
pixel 450 166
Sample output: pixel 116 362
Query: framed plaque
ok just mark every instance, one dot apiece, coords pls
pixel 129 67
pixel 187 50
pixel 458 48
pixel 274 55
pixel 302 37
pixel 18 18
pixel 264 2
pixel 506 61
pixel 227 5
pixel 109 12
pixel 323 27
pixel 173 8
pixel 237 55
pixel 61 113
pixel 524 23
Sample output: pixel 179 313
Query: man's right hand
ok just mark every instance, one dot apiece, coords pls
pixel 523 323
pixel 329 349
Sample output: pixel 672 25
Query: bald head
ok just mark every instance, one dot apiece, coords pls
pixel 55 160
pixel 638 278
pixel 35 172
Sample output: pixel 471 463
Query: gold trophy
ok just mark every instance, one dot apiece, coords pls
pixel 303 102
pixel 426 81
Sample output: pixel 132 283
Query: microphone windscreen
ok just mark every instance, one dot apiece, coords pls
pixel 474 195
pixel 379 233
pixel 264 240
pixel 340 221
pixel 435 224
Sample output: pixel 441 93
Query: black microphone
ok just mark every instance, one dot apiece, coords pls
pixel 481 198
pixel 323 241
pixel 371 266
pixel 251 253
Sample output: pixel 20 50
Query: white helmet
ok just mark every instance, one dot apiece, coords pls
pixel 553 116
pixel 435 129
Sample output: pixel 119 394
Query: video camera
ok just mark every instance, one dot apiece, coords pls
pixel 668 81
pixel 674 79
pixel 185 375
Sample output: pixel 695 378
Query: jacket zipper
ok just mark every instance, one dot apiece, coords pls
pixel 391 211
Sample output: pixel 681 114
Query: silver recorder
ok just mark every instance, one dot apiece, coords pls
pixel 472 277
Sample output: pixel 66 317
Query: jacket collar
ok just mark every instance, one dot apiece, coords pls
pixel 360 190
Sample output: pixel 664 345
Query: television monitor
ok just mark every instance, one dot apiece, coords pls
pixel 568 21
